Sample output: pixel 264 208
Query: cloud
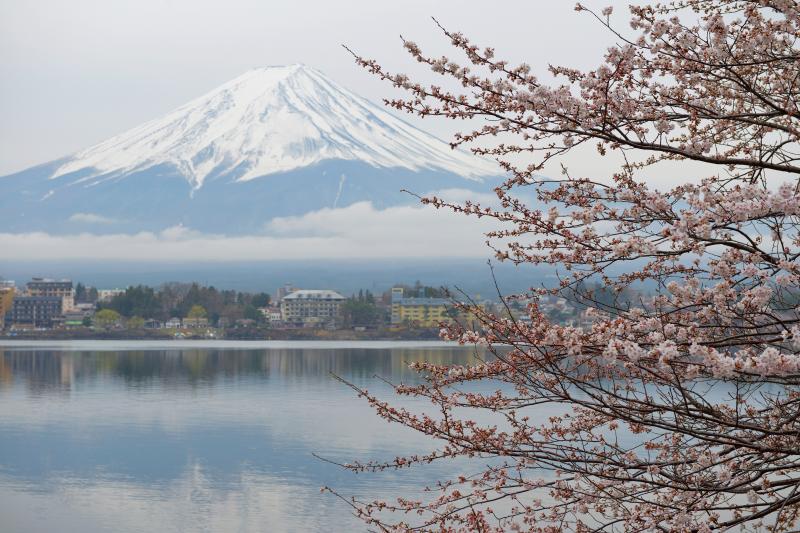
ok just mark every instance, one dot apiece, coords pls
pixel 91 218
pixel 357 231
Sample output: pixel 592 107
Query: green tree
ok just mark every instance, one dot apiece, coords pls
pixel 80 292
pixel 135 322
pixel 137 301
pixel 197 311
pixel 260 300
pixel 231 313
pixel 105 318
pixel 212 300
pixel 253 313
pixel 359 311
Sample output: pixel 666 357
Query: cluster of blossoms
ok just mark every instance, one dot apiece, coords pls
pixel 676 412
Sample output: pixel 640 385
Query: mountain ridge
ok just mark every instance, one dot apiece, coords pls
pixel 266 121
pixel 275 141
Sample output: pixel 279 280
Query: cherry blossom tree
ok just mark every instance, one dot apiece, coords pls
pixel 675 411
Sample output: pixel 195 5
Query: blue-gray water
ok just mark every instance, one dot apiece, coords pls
pixel 109 436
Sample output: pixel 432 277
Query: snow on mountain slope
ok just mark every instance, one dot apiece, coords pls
pixel 266 121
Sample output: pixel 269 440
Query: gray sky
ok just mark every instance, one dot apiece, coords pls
pixel 73 73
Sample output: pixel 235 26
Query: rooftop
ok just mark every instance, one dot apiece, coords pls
pixel 422 301
pixel 314 294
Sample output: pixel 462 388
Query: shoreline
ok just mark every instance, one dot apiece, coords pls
pixel 106 345
pixel 428 335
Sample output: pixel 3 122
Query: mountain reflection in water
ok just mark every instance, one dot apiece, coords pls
pixel 198 439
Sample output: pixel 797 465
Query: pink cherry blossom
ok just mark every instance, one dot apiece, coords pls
pixel 672 405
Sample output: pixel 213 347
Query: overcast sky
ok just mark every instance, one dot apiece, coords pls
pixel 73 73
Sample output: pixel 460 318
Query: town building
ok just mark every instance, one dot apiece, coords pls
pixel 173 323
pixel 272 315
pixel 50 287
pixel 426 312
pixel 152 323
pixel 6 301
pixel 284 291
pixel 311 307
pixel 106 295
pixel 195 322
pixel 35 311
pixel 421 312
pixel 74 319
pixel 79 316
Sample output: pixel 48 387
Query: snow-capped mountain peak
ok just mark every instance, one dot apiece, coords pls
pixel 266 121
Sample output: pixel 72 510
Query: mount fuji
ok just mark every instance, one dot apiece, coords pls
pixel 275 141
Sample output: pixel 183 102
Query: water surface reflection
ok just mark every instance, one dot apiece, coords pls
pixel 197 438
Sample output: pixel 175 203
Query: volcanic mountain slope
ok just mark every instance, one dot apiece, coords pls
pixel 275 141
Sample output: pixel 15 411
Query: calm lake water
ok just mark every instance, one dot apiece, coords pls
pixel 135 436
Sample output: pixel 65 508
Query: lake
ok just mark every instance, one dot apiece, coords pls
pixel 100 436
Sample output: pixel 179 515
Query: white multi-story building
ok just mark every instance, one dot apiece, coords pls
pixel 106 295
pixel 271 314
pixel 309 307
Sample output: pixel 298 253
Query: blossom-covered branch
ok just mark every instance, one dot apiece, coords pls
pixel 677 412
